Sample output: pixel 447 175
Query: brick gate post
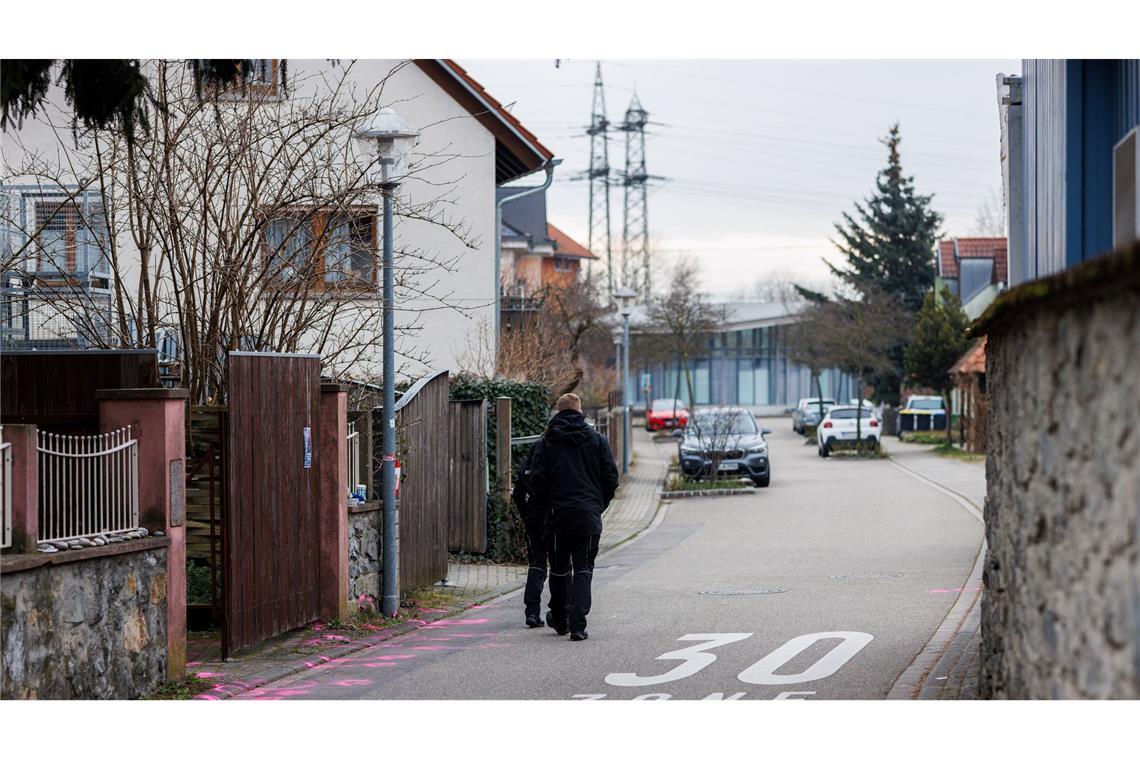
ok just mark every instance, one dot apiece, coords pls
pixel 333 495
pixel 157 417
pixel 25 486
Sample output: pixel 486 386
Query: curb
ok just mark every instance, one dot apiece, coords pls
pixel 223 691
pixel 707 492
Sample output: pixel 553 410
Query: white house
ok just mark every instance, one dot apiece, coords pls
pixel 469 145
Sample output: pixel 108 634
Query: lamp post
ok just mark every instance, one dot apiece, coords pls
pixel 385 141
pixel 625 297
pixel 617 352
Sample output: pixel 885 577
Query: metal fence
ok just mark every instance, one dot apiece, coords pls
pixel 353 456
pixel 54 318
pixel 6 492
pixel 89 484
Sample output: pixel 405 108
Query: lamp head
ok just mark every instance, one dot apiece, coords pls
pixel 386 138
pixel 625 297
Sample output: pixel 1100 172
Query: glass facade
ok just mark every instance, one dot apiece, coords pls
pixel 745 367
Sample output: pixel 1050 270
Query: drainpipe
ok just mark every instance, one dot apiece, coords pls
pixel 549 166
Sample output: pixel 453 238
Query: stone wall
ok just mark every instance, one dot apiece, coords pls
pixel 1061 609
pixel 85 628
pixel 365 526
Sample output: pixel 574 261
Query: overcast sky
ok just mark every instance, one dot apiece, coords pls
pixel 761 157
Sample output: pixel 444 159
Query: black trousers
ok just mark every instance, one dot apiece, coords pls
pixel 571 573
pixel 537 553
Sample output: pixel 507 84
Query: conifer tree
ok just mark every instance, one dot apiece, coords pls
pixel 937 341
pixel 888 244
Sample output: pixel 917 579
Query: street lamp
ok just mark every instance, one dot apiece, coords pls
pixel 617 357
pixel 385 141
pixel 625 297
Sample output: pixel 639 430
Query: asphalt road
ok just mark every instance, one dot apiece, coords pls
pixel 823 586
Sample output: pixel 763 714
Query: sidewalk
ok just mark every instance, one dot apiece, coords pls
pixel 965 478
pixel 468 584
pixel 954 675
pixel 630 512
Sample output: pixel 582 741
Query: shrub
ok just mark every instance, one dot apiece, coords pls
pixel 530 410
pixel 198 583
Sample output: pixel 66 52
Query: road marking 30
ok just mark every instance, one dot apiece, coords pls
pixel 695 659
pixel 763 672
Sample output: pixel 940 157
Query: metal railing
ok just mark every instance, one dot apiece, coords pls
pixel 353 456
pixel 89 484
pixel 6 492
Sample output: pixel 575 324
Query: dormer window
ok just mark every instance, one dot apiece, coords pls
pixel 262 82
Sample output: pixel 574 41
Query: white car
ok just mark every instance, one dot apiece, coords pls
pixel 838 427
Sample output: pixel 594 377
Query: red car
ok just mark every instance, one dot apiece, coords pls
pixel 666 414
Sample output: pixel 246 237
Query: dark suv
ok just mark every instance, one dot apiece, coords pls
pixel 730 439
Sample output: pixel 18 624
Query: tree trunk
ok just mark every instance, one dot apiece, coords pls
pixel 819 392
pixel 949 431
pixel 689 382
pixel 859 413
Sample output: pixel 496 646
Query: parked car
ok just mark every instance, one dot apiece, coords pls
pixel 807 413
pixel 838 428
pixel 666 414
pixel 728 436
pixel 922 413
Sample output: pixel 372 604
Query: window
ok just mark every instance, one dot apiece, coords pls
pixel 850 414
pixel 69 237
pixel 975 274
pixel 563 264
pixel 323 249
pixel 265 75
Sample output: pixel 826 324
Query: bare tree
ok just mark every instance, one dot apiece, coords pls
pixel 856 335
pixel 679 321
pixel 562 340
pixel 236 221
pixel 716 432
pixel 990 219
pixel 806 347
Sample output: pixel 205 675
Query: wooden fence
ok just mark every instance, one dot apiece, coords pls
pixel 56 389
pixel 467 476
pixel 422 448
pixel 615 433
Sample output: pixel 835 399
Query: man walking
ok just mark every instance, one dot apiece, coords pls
pixel 534 521
pixel 574 475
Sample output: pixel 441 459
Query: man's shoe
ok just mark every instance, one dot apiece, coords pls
pixel 533 621
pixel 560 630
pixel 579 636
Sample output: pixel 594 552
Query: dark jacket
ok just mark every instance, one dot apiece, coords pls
pixel 574 474
pixel 532 512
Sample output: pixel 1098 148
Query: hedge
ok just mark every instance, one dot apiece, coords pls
pixel 530 410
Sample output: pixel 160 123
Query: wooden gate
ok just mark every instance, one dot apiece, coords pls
pixel 271 567
pixel 422 429
pixel 467 476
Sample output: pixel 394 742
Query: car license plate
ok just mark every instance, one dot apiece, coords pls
pixel 726 467
pixel 846 435
pixel 670 423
